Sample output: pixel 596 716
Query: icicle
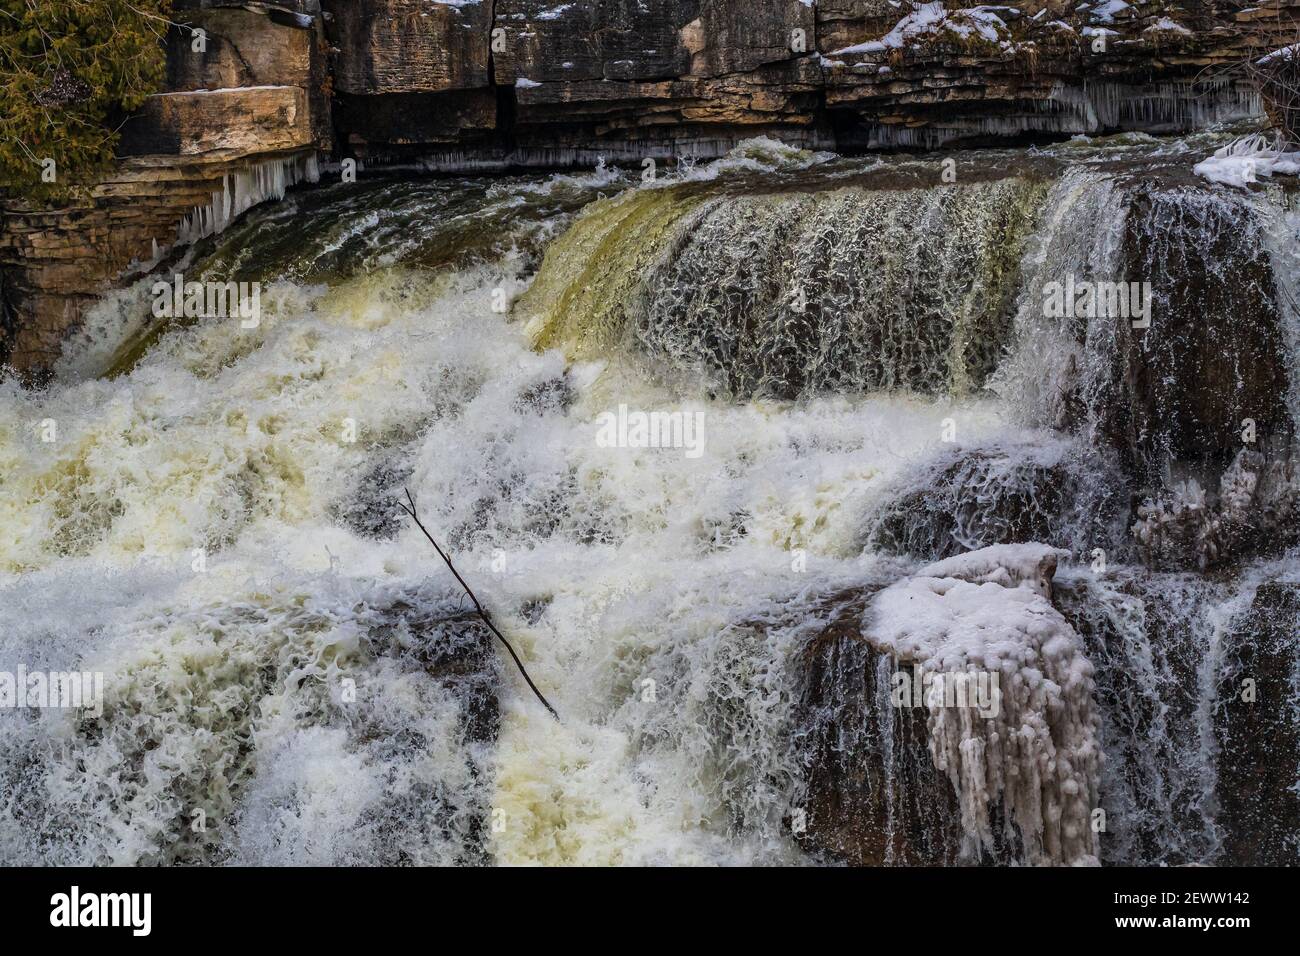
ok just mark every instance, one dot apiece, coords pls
pixel 244 188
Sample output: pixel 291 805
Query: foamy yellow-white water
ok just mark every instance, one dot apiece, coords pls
pixel 212 528
pixel 206 513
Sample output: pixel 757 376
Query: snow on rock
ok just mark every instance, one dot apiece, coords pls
pixel 929 20
pixel 1286 54
pixel 1105 12
pixel 990 611
pixel 1009 565
pixel 1165 25
pixel 1246 160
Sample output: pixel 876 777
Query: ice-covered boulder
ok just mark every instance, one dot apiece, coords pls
pixel 1032 746
pixel 975 668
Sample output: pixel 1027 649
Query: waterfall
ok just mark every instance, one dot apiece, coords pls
pixel 908 466
pixel 797 293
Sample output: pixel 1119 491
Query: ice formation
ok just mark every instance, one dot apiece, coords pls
pixel 1256 498
pixel 1247 160
pixel 1096 106
pixel 990 611
pixel 243 189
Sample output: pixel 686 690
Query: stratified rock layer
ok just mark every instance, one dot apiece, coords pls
pixel 474 84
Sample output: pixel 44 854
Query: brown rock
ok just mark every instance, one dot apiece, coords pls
pixel 409 46
pixel 873 795
pixel 225 123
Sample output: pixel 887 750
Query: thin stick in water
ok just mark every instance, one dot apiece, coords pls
pixel 410 510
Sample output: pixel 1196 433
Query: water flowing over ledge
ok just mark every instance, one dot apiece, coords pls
pixel 212 526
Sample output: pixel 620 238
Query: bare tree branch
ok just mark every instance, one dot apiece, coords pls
pixel 1277 77
pixel 410 510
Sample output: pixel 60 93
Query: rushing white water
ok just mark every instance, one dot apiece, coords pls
pixel 213 526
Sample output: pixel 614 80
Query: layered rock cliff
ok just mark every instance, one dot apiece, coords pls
pixel 494 83
pixel 244 117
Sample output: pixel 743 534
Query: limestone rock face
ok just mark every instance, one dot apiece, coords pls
pixel 544 42
pixel 240 47
pixel 252 95
pixel 253 46
pixel 409 46
pixel 652 77
pixel 559 82
pixel 57 262
pixel 219 123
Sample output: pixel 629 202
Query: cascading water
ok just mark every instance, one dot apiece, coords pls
pixel 212 526
pixel 852 289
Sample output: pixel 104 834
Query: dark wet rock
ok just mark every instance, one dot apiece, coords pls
pixel 549 395
pixel 1254 512
pixel 1257 728
pixel 871 749
pixel 456 117
pixel 1200 764
pixel 1003 493
pixel 534 609
pixel 1149 638
pixel 453 646
pixel 873 796
pixel 371 510
pixel 1182 393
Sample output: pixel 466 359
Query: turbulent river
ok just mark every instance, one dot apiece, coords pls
pixel 206 514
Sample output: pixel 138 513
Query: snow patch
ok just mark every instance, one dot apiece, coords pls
pixel 930 20
pixel 1165 25
pixel 1105 12
pixel 1287 53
